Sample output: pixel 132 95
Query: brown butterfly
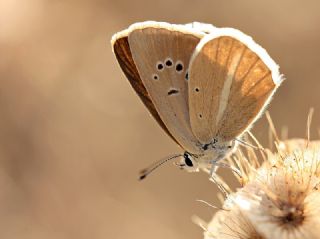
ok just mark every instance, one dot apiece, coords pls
pixel 205 86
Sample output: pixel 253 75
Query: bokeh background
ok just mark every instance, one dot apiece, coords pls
pixel 73 135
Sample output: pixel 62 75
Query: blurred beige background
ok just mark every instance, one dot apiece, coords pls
pixel 73 135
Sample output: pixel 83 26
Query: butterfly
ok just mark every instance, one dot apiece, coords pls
pixel 205 86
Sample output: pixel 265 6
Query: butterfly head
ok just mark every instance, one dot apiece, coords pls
pixel 189 162
pixel 211 153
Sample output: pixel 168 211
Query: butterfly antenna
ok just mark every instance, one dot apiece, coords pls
pixel 145 172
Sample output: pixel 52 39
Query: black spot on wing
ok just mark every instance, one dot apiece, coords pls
pixel 173 92
pixel 169 62
pixel 160 66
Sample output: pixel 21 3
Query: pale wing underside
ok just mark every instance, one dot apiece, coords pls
pixel 231 81
pixel 162 56
pixel 122 51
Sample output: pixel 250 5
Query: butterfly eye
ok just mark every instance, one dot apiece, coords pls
pixel 187 160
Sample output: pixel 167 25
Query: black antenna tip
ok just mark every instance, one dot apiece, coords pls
pixel 145 172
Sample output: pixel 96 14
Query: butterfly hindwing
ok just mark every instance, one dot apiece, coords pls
pixel 231 81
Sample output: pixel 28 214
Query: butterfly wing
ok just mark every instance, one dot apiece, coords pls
pixel 161 53
pixel 231 81
pixel 123 54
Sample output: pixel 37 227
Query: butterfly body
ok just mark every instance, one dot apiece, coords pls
pixel 211 154
pixel 205 86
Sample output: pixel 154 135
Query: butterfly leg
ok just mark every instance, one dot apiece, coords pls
pixel 214 167
pixel 217 181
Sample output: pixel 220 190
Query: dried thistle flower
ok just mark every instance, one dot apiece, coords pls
pixel 283 200
pixel 231 223
pixel 279 199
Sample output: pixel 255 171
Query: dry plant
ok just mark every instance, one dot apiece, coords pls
pixel 278 197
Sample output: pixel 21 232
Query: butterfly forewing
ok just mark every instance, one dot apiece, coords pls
pixel 230 84
pixel 161 54
pixel 123 54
